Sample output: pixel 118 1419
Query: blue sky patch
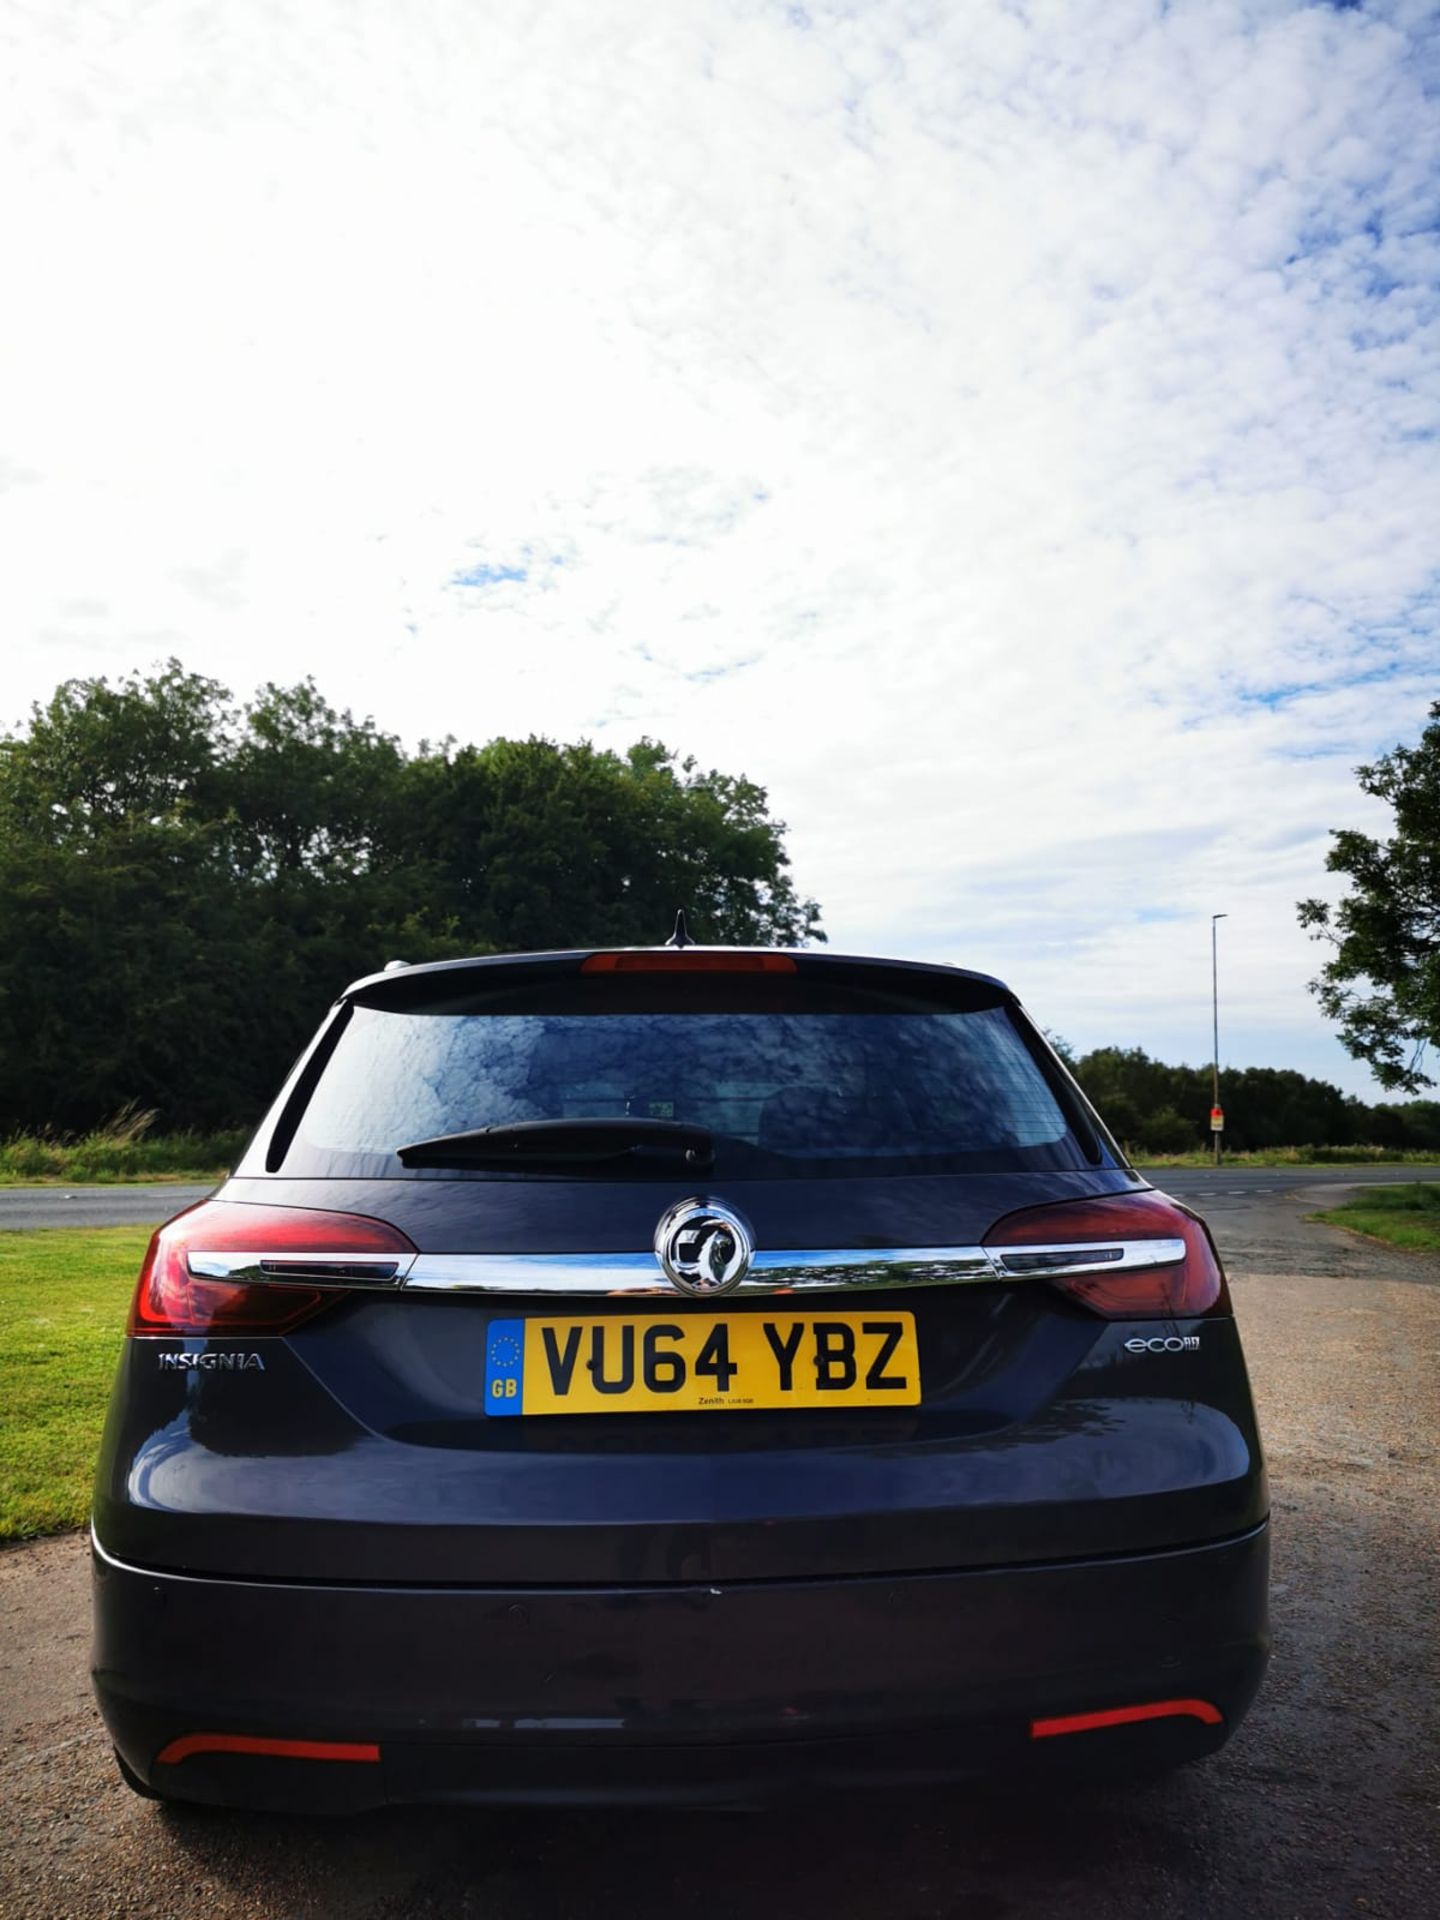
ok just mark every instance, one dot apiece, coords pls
pixel 487 574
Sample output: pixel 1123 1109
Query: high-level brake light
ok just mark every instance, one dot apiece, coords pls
pixel 291 1260
pixel 687 960
pixel 1147 1257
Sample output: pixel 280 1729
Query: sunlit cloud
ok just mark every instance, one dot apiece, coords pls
pixel 1008 434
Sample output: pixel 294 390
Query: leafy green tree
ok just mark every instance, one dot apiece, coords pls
pixel 120 927
pixel 528 844
pixel 306 786
pixel 1156 1108
pixel 1166 1131
pixel 97 757
pixel 1382 981
pixel 184 883
pixel 1133 1092
pixel 1415 1124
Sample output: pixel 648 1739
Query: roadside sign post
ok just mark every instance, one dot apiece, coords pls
pixel 1217 1118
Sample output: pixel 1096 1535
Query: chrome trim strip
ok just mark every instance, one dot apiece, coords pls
pixel 867 1267
pixel 781 1270
pixel 575 1273
pixel 773 1270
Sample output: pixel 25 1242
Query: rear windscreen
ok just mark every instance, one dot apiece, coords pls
pixel 784 1091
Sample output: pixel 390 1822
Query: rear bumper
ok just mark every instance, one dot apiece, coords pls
pixel 736 1695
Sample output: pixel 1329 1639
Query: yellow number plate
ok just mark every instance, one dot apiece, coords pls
pixel 646 1363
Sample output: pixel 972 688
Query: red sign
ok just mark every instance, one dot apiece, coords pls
pixel 1217 1119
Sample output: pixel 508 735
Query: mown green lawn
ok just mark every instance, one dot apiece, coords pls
pixel 64 1295
pixel 1405 1216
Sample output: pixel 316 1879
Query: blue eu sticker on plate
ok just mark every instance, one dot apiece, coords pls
pixel 504 1366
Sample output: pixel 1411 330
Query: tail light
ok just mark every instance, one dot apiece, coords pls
pixel 1132 1256
pixel 221 1268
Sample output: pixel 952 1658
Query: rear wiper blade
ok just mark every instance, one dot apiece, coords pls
pixel 526 1143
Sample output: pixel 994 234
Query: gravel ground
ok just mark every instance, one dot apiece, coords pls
pixel 1327 1802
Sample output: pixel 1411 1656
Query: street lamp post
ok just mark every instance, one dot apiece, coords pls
pixel 1215 1025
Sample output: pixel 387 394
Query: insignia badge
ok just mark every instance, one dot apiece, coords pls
pixel 210 1362
pixel 704 1247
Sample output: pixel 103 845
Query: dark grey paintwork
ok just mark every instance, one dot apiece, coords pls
pixel 357 1459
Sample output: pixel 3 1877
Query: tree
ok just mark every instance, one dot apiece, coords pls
pixel 120 929
pixel 184 883
pixel 1061 1046
pixel 306 786
pixel 97 757
pixel 529 844
pixel 1382 981
pixel 1156 1108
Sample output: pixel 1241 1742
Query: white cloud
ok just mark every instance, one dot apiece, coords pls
pixel 1007 433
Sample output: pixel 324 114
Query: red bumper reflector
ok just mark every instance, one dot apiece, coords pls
pixel 1123 1716
pixel 191 1743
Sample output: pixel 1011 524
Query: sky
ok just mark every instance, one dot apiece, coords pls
pixel 1006 432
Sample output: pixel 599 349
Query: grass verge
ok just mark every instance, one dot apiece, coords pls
pixel 64 1292
pixel 1301 1157
pixel 117 1152
pixel 1407 1216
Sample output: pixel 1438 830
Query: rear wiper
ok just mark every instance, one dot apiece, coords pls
pixel 529 1143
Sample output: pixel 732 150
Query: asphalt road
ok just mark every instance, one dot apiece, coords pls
pixel 1326 1803
pixel 1202 1184
pixel 22 1207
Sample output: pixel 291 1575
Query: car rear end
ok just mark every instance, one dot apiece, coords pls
pixel 679 1374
